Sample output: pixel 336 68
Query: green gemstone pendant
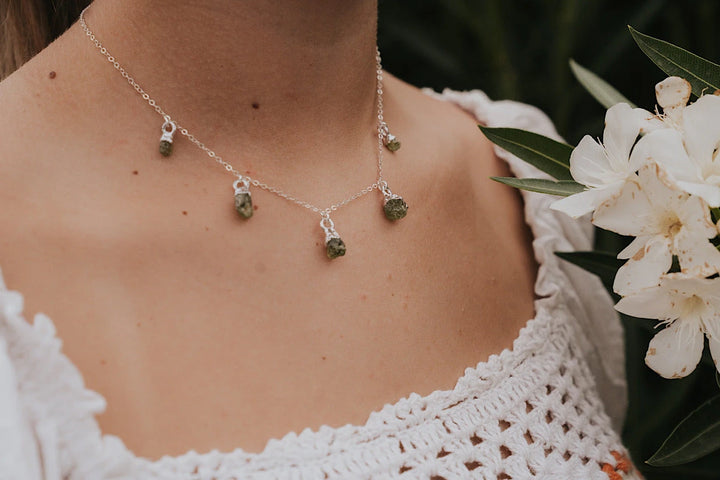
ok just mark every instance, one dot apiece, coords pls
pixel 243 199
pixel 394 206
pixel 165 148
pixel 243 205
pixel 166 141
pixel 392 143
pixel 334 246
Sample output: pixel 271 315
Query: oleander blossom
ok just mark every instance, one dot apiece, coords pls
pixel 603 168
pixel 690 307
pixel 655 178
pixel 688 152
pixel 667 223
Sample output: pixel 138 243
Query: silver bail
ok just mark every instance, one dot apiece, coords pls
pixel 168 135
pixel 241 185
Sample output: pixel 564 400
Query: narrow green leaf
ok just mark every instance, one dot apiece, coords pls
pixel 550 156
pixel 715 212
pixel 562 188
pixel 703 75
pixel 696 435
pixel 602 91
pixel 604 265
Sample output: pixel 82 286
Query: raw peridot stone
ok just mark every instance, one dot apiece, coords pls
pixel 393 144
pixel 165 148
pixel 335 247
pixel 243 205
pixel 395 208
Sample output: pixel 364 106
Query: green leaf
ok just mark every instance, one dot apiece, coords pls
pixel 562 188
pixel 602 91
pixel 550 156
pixel 715 213
pixel 703 75
pixel 696 435
pixel 604 265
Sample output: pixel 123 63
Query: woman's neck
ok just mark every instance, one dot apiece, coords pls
pixel 260 69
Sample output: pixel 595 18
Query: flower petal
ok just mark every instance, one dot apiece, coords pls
pixel 696 254
pixel 585 202
pixel 691 285
pixel 645 268
pixel 654 302
pixel 589 164
pixel 629 213
pixel 672 95
pixel 708 192
pixel 648 121
pixel 665 148
pixel 622 128
pixel 676 350
pixel 702 129
pixel 634 246
pixel 694 215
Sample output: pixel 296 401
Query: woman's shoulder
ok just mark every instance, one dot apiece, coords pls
pixel 26 127
pixel 457 114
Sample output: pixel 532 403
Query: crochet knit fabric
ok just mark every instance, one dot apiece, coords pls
pixel 546 409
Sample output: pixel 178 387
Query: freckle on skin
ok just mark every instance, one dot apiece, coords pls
pixel 255 105
pixel 184 212
pixel 255 207
pixel 363 297
pixel 103 361
pixel 135 172
pixel 207 229
pixel 52 75
pixel 138 324
pixel 324 357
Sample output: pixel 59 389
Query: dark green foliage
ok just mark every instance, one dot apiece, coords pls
pixel 519 49
pixel 544 153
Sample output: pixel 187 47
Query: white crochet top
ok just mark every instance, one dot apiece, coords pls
pixel 547 409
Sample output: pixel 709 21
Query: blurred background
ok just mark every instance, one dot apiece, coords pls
pixel 519 49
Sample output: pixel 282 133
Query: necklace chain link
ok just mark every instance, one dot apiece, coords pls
pixel 379 184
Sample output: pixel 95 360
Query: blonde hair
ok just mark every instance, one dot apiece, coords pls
pixel 28 26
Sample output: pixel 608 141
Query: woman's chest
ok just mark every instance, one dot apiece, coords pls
pixel 203 331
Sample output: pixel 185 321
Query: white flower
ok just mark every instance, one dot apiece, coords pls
pixel 691 307
pixel 667 222
pixel 672 95
pixel 689 152
pixel 604 168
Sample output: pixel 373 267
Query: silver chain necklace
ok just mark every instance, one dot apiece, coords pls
pixel 394 206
